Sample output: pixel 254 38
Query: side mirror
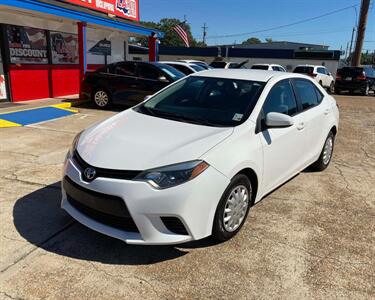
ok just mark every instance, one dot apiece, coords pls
pixel 147 97
pixel 278 120
pixel 163 79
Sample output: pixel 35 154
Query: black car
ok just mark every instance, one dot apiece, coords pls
pixel 354 79
pixel 127 82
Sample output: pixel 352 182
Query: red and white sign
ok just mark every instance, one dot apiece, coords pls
pixel 128 9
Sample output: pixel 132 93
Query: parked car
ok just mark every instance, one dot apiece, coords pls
pixel 126 82
pixel 228 65
pixel 270 67
pixel 354 79
pixel 186 68
pixel 190 161
pixel 320 74
pixel 196 62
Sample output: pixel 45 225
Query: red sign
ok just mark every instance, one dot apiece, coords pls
pixel 128 9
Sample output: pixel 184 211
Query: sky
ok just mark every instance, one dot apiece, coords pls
pixel 227 17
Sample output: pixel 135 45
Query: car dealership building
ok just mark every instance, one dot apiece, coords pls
pixel 48 45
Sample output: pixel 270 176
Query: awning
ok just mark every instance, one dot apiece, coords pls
pixel 62 10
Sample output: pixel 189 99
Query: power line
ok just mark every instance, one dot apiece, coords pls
pixel 285 25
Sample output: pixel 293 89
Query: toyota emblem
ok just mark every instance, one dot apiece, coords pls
pixel 89 173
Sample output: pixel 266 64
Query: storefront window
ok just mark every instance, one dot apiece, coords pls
pixel 27 45
pixel 64 48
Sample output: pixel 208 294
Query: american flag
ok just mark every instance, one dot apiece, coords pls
pixel 182 34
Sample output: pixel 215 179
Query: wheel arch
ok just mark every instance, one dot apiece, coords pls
pixel 250 173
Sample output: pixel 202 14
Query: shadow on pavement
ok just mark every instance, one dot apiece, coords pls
pixel 40 220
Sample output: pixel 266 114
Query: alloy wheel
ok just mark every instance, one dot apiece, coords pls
pixel 101 98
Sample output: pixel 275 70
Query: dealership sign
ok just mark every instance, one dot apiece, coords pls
pixel 128 9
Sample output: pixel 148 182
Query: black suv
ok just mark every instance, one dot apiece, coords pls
pixel 126 82
pixel 354 79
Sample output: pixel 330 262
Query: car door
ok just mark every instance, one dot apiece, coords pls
pixel 283 148
pixel 124 83
pixel 316 114
pixel 150 80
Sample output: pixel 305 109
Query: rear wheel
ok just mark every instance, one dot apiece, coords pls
pixel 326 154
pixel 102 98
pixel 331 88
pixel 233 208
pixel 366 90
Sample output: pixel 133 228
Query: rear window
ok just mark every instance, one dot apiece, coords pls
pixel 259 67
pixel 218 64
pixel 303 70
pixel 351 72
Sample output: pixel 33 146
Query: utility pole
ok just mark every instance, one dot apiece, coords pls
pixel 351 44
pixel 347 50
pixel 361 32
pixel 204 33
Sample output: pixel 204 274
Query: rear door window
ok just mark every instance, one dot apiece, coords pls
pixel 125 69
pixel 307 93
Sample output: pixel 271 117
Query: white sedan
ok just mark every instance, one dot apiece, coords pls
pixel 190 161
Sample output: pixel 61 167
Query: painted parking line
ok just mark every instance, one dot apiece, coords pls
pixel 35 115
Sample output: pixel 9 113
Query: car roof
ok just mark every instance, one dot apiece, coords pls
pixel 176 63
pixel 247 74
pixel 313 66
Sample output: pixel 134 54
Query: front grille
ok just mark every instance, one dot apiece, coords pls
pixel 101 172
pixel 106 209
pixel 174 225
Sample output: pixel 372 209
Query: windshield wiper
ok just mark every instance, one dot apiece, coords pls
pixel 181 117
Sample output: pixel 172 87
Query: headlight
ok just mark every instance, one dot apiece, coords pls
pixel 73 146
pixel 169 176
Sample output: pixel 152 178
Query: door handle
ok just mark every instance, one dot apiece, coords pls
pixel 301 126
pixel 326 112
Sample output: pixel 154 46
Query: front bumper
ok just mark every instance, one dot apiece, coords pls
pixel 193 203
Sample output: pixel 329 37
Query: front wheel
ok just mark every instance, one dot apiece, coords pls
pixel 326 154
pixel 233 208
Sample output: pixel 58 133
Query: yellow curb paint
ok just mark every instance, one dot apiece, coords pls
pixel 62 105
pixel 5 124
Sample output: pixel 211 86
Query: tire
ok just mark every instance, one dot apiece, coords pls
pixel 337 91
pixel 225 230
pixel 331 88
pixel 366 90
pixel 323 161
pixel 101 98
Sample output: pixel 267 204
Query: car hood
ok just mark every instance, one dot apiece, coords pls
pixel 135 141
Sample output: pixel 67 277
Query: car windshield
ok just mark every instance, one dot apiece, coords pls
pixel 197 68
pixel 172 72
pixel 259 67
pixel 304 70
pixel 210 101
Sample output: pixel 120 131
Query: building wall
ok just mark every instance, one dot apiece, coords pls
pixel 56 80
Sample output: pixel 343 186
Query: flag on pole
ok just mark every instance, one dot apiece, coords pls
pixel 182 34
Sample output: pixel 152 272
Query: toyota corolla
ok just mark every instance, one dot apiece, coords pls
pixel 191 160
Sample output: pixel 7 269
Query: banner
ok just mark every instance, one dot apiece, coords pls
pixel 27 45
pixel 64 48
pixel 128 9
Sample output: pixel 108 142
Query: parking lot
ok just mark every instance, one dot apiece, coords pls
pixel 314 237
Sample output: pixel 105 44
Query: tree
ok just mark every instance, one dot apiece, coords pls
pixel 171 38
pixel 252 40
pixel 269 40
